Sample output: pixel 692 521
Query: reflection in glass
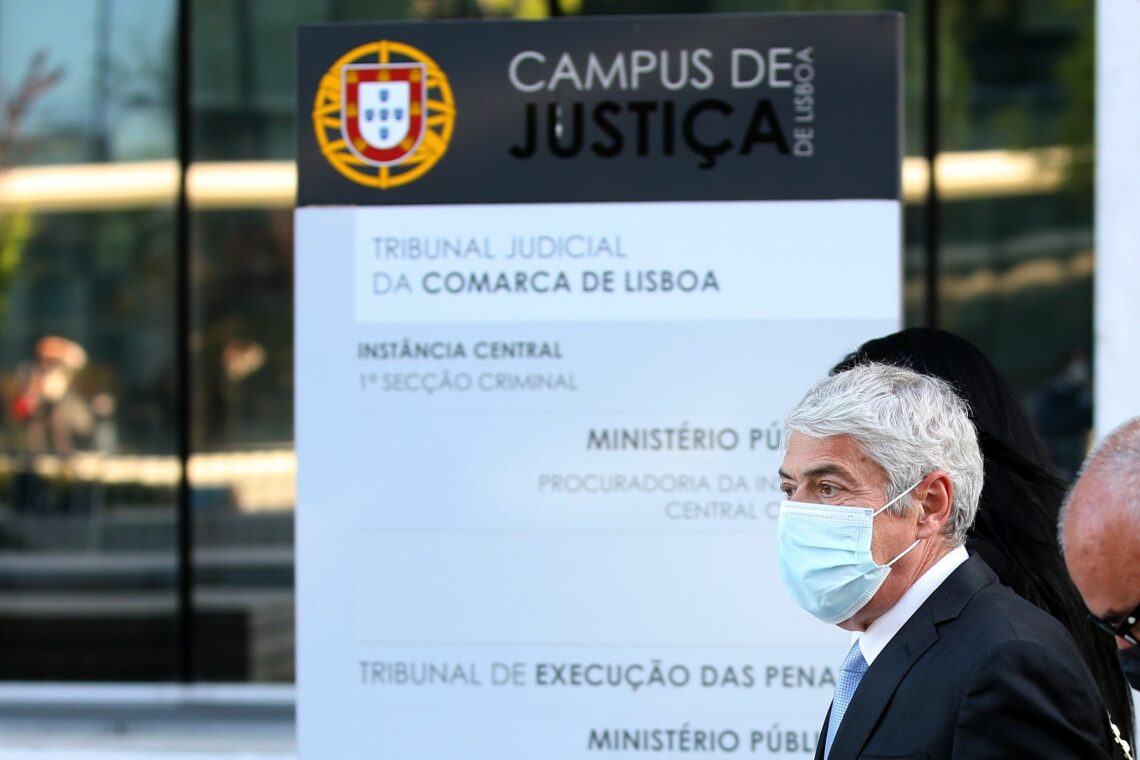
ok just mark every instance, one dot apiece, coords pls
pixel 1017 264
pixel 86 468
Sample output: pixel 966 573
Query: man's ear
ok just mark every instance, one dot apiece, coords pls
pixel 936 498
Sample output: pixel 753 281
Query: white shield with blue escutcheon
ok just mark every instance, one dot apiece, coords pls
pixel 383 112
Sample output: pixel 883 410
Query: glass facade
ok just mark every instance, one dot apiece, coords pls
pixel 1016 271
pixel 90 275
pixel 87 508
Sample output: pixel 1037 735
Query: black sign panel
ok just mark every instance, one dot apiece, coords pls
pixel 737 107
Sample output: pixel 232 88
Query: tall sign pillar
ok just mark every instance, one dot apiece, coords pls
pixel 557 285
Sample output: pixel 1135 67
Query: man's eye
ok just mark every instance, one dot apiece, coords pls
pixel 827 489
pixel 788 490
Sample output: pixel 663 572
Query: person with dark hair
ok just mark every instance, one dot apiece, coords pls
pixel 1015 531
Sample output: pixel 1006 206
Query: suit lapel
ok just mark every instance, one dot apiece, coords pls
pixel 880 682
pixel 823 734
pixel 895 661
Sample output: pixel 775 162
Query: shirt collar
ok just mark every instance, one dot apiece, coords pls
pixel 880 632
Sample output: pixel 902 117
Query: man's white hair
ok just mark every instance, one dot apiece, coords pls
pixel 908 423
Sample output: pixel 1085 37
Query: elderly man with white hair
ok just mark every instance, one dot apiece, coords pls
pixel 882 476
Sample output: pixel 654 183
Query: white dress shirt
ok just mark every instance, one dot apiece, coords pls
pixel 880 632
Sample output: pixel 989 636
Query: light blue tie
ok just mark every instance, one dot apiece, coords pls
pixel 850 673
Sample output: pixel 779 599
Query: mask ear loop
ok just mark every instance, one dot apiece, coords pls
pixel 883 508
pixel 917 541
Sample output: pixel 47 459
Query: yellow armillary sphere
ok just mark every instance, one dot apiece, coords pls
pixel 383 114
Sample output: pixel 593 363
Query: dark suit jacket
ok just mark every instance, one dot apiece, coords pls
pixel 977 672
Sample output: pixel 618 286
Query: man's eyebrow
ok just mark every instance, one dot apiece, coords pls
pixel 827 469
pixel 815 472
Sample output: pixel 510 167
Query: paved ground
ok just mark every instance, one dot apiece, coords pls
pixel 146 723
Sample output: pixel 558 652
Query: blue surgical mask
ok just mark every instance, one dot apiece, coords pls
pixel 825 556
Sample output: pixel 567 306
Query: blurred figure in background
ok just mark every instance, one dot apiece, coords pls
pixel 1063 412
pixel 105 435
pixel 240 359
pixel 46 405
pixel 1015 530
